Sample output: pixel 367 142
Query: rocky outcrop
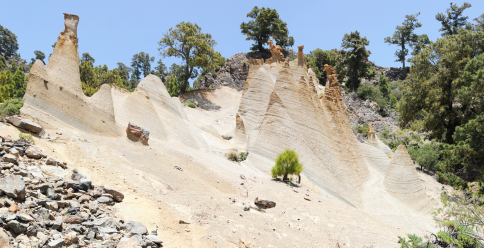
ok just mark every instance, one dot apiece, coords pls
pixel 137 133
pixel 25 123
pixel 402 181
pixel 235 72
pixel 61 210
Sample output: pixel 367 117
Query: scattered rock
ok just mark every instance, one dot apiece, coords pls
pixel 154 239
pixel 34 152
pixel 246 207
pixel 135 227
pixel 117 195
pixel 184 222
pixel 25 123
pixel 73 219
pixel 13 209
pixel 18 227
pixel 9 158
pixel 265 203
pixel 137 133
pixel 4 239
pixel 58 243
pixel 13 186
pixel 128 243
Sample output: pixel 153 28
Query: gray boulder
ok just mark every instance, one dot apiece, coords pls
pixel 56 243
pixel 117 196
pixel 9 158
pixel 135 227
pixel 24 123
pixel 18 227
pixel 34 152
pixel 13 186
pixel 154 239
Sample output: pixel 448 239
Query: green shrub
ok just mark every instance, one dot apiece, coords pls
pixel 383 83
pixel 242 156
pixel 393 101
pixel 227 137
pixel 363 129
pixel 451 179
pixel 11 107
pixel 456 182
pixel 365 91
pixel 441 178
pixel 426 154
pixel 460 218
pixel 287 163
pixel 27 137
pixel 190 104
pixel 233 156
pixel 414 242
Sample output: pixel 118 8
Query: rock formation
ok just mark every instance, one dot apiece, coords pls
pixel 374 141
pixel 280 108
pixel 301 59
pixel 137 133
pixel 54 95
pixel 276 52
pixel 402 181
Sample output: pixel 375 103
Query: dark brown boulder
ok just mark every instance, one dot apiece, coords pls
pixel 137 133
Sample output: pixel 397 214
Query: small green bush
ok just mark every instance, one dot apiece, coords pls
pixel 287 163
pixel 426 154
pixel 456 182
pixel 363 129
pixel 233 156
pixel 11 107
pixel 190 104
pixel 365 91
pixel 414 241
pixel 451 179
pixel 27 137
pixel 242 156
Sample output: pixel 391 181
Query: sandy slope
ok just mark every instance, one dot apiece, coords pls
pixel 353 198
pixel 208 192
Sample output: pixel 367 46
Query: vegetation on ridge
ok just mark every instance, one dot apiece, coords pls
pixel 287 163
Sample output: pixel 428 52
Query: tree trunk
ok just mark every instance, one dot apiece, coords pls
pixel 284 178
pixel 299 180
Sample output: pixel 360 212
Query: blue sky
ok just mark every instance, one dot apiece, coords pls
pixel 112 31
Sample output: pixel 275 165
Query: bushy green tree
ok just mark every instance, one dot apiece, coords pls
pixel 265 24
pixel 468 148
pixel 39 55
pixel 13 67
pixel 3 63
pixel 11 107
pixel 479 23
pixel 316 60
pixel 418 44
pixel 404 37
pixel 393 101
pixel 192 46
pixel 8 43
pixel 355 57
pixel 93 77
pixel 287 163
pixel 431 101
pixel 426 154
pixel 160 70
pixel 453 20
pixel 85 56
pixel 12 85
pixel 124 72
pixel 141 63
pixel 384 85
pixel 173 86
